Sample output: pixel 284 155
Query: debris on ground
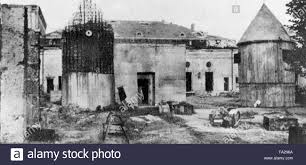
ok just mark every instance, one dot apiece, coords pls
pixel 156 130
pixel 229 94
pixel 180 108
pixel 279 123
pixel 224 118
pixel 248 114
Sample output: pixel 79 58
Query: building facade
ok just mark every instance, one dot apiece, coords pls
pixel 211 68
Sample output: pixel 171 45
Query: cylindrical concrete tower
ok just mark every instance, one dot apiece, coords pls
pixel 263 74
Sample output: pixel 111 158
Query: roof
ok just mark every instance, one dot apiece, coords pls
pixel 54 35
pixel 149 29
pixel 265 27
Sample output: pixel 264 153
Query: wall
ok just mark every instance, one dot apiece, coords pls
pixel 88 90
pixel 19 73
pixel 13 103
pixel 167 61
pixel 222 66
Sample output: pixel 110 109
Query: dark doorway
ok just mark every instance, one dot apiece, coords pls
pixel 226 84
pixel 143 86
pixel 59 83
pixel 146 86
pixel 209 81
pixel 50 85
pixel 188 81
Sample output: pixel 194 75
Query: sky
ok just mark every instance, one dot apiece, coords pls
pixel 212 16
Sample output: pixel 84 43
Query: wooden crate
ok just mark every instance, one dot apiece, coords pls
pixel 276 123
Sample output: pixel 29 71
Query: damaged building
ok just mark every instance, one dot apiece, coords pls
pixel 163 61
pixel 142 54
pixel 211 68
pixel 147 56
pixel 20 30
pixel 150 57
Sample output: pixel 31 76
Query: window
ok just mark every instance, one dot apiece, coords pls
pixel 187 64
pixel 286 55
pixel 59 83
pixel 237 58
pixel 208 64
pixel 226 84
pixel 139 34
pixel 182 34
pixel 237 80
pixel 188 81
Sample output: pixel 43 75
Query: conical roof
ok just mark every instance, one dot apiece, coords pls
pixel 265 27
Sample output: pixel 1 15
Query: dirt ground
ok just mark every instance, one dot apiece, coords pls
pixel 78 126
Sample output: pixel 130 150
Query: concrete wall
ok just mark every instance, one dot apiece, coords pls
pixel 88 90
pixel 222 66
pixel 167 61
pixel 19 73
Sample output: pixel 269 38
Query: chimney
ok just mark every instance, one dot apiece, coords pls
pixel 192 27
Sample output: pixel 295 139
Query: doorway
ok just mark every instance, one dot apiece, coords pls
pixel 50 85
pixel 209 81
pixel 188 81
pixel 146 86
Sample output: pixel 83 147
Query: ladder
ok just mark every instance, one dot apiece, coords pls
pixel 112 122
